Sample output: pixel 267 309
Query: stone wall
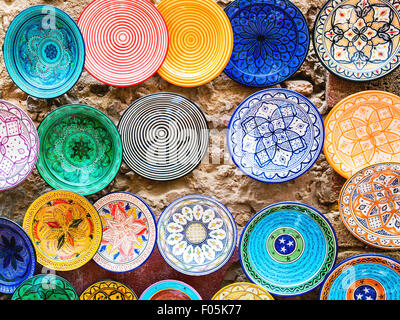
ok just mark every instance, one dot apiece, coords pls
pixel 217 176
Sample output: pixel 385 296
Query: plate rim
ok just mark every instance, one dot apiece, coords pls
pixel 238 284
pixel 171 281
pixel 106 280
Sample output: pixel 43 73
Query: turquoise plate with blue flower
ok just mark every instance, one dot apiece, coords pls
pixel 44 51
pixel 288 248
pixel 17 256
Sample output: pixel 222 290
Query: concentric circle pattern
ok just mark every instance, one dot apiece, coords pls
pixel 201 41
pixel 170 290
pixel 126 41
pixel 164 136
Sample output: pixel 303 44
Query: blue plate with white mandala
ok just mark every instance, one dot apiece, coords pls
pixel 196 235
pixel 271 41
pixel 275 135
pixel 44 51
pixel 17 256
pixel 288 248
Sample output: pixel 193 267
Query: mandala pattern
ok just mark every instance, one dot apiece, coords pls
pixel 370 205
pixel 65 229
pixel 129 232
pixel 108 290
pixel 362 130
pixel 197 235
pixel 275 135
pixel 242 291
pixel 359 39
pixel 271 41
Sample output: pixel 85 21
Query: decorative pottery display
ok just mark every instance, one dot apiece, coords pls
pixel 126 41
pixel 164 136
pixel 44 51
pixel 108 290
pixel 361 130
pixel 170 290
pixel 129 232
pixel 201 41
pixel 242 291
pixel 17 256
pixel 80 149
pixel 288 248
pixel 19 145
pixel 369 205
pixel 358 39
pixel 271 41
pixel 45 287
pixel 65 229
pixel 196 235
pixel 275 135
pixel 363 277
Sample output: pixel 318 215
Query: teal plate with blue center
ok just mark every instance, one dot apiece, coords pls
pixel 44 51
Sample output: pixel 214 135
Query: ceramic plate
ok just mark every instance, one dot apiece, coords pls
pixel 164 136
pixel 129 232
pixel 275 135
pixel 196 235
pixel 108 290
pixel 271 41
pixel 45 287
pixel 358 40
pixel 361 130
pixel 363 277
pixel 201 41
pixel 17 256
pixel 19 145
pixel 80 149
pixel 369 205
pixel 65 229
pixel 126 41
pixel 242 291
pixel 44 51
pixel 290 239
pixel 170 290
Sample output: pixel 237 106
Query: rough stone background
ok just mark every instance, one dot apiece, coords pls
pixel 243 196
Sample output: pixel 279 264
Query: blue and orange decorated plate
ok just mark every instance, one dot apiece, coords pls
pixel 288 248
pixel 170 290
pixel 44 51
pixel 17 256
pixel 271 41
pixel 363 277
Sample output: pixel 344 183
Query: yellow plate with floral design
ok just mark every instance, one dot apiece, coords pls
pixel 362 130
pixel 242 291
pixel 65 229
pixel 201 41
pixel 108 290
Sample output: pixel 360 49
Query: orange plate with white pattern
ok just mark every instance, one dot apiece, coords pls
pixel 361 130
pixel 369 205
pixel 65 229
pixel 242 291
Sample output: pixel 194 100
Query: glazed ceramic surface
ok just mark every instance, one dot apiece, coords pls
pixel 126 41
pixel 129 232
pixel 170 290
pixel 19 146
pixel 17 256
pixel 44 51
pixel 201 41
pixel 45 287
pixel 242 291
pixel 164 136
pixel 361 130
pixel 275 135
pixel 271 41
pixel 108 290
pixel 196 235
pixel 369 205
pixel 290 239
pixel 65 229
pixel 363 277
pixel 358 39
pixel 80 149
